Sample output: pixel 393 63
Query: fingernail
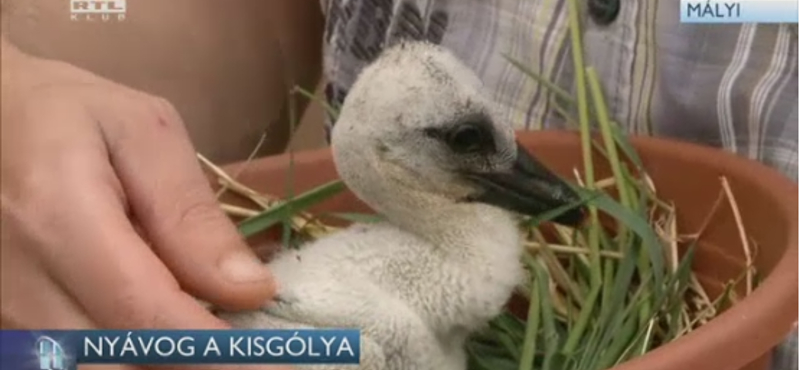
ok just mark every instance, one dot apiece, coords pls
pixel 243 267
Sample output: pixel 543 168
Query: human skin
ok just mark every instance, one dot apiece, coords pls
pixel 108 221
pixel 225 66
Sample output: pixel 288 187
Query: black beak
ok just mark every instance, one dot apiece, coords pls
pixel 529 188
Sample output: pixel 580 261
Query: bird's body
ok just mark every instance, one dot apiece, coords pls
pixel 419 143
pixel 432 293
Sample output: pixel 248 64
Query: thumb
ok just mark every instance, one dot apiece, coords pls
pixel 175 206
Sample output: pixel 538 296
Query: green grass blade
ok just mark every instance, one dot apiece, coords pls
pixel 286 235
pixel 555 212
pixel 512 347
pixel 609 266
pixel 532 329
pixel 558 91
pixel 272 216
pixel 333 112
pixel 605 132
pixel 550 336
pixel 511 325
pixel 586 146
pixel 624 336
pixel 620 331
pixel 363 218
pixel 613 314
pixel 480 362
pixel 639 225
pixel 625 145
pixel 586 314
pixel 681 279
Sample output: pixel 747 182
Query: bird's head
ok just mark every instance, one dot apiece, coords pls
pixel 417 119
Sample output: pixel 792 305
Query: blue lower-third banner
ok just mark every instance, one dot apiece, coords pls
pixel 65 349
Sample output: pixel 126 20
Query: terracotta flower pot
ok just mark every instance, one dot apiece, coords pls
pixel 740 338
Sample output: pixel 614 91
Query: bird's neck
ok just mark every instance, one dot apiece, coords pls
pixel 479 249
pixel 449 225
pixel 454 227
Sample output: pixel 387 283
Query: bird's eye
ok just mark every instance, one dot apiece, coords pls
pixel 469 138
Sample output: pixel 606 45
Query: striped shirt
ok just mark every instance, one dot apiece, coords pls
pixel 731 86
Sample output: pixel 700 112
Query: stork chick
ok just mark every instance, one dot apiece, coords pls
pixel 419 142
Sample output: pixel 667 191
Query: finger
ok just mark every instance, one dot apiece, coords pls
pixel 117 279
pixel 170 197
pixel 86 243
pixel 49 308
pixel 31 299
pixel 36 302
pixel 42 306
pixel 266 244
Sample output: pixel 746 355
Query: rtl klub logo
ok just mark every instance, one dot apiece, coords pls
pixel 97 10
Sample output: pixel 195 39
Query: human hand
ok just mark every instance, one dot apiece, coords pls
pixel 107 218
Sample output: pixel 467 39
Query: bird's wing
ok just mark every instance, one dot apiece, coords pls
pixel 334 283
